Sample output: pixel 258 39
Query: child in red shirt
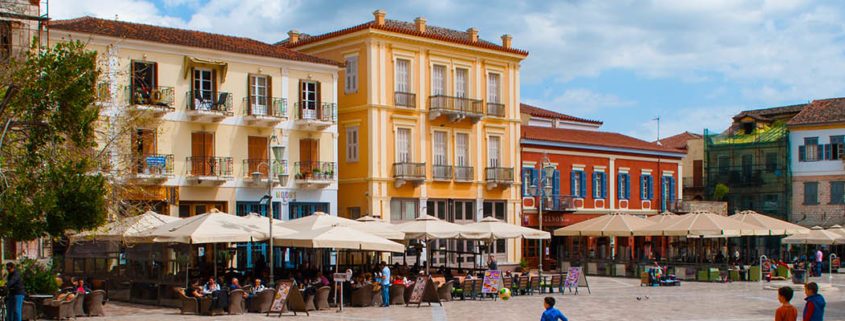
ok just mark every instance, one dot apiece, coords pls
pixel 786 311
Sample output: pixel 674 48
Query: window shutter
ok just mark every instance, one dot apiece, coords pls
pixel 827 151
pixel 319 106
pixel 671 189
pixel 556 189
pixel 802 153
pixel 155 76
pixel 250 90
pixel 582 177
pixel 214 85
pixel 619 194
pixel 820 152
pixel 596 192
pixel 627 186
pixel 603 177
pixel 643 188
pixel 131 80
pixel 650 187
pixel 301 98
pixel 269 98
pixel 572 179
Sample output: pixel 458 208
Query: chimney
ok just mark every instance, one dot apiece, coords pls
pixel 506 40
pixel 420 22
pixel 293 36
pixel 473 34
pixel 379 16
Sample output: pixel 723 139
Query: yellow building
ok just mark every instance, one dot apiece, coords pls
pixel 209 110
pixel 428 123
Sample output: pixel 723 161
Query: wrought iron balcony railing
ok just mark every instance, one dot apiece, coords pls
pixel 464 173
pixel 441 172
pixel 404 99
pixel 495 109
pixel 311 111
pixel 499 174
pixel 220 102
pixel 409 171
pixel 160 96
pixel 209 166
pixel 152 164
pixel 263 106
pixel 260 166
pixel 450 104
pixel 311 170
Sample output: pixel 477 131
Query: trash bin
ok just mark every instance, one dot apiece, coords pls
pixel 799 276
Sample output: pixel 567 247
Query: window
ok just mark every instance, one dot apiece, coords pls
pixel 667 192
pixel 724 163
pixel 302 209
pixel 810 151
pixel 244 208
pixel 529 175
pixel 495 209
pixel 599 185
pixel 144 81
pixel 493 148
pixel 577 184
pixel 461 82
pixel 353 213
pixel 623 189
pixel 203 88
pixel 646 187
pixel 837 192
pixel 836 146
pixel 403 145
pixel 493 85
pixel 462 149
pixel 5 39
pixel 403 209
pixel 402 76
pixel 771 162
pixel 439 146
pixel 351 74
pixel 258 95
pixel 352 144
pixel 438 80
pixel 811 193
pixel 309 93
pixel 747 166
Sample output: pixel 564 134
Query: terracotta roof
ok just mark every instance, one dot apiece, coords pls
pixel 770 113
pixel 408 28
pixel 182 37
pixel 593 138
pixel 679 141
pixel 540 112
pixel 822 111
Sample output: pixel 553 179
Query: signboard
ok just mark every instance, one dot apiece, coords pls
pixel 419 289
pixel 281 296
pixel 575 278
pixel 341 277
pixel 492 282
pixel 424 291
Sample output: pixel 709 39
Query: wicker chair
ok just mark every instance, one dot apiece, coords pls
pixel 445 291
pixel 94 303
pixel 237 304
pixel 262 301
pixel 79 305
pixel 362 297
pixel 189 304
pixel 321 300
pixel 397 294
pixel 407 295
pixel 60 310
pixel 29 311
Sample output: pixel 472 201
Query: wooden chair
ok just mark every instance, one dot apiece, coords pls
pixel 466 288
pixel 189 304
pixel 476 288
pixel 554 283
pixel 362 297
pixel 534 285
pixel 445 291
pixel 321 300
pixel 397 294
pixel 262 301
pixel 522 287
pixel 644 279
pixel 237 304
pixel 507 282
pixel 94 303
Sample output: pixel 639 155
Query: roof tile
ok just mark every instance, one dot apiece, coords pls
pixel 679 141
pixel 540 112
pixel 822 111
pixel 592 138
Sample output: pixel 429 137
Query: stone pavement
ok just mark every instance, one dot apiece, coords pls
pixel 611 299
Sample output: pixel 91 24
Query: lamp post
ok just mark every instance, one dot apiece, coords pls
pixel 542 193
pixel 269 197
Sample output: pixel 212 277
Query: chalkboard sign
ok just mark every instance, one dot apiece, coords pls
pixel 492 282
pixel 282 292
pixel 423 291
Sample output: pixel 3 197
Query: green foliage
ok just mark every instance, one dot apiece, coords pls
pixel 47 156
pixel 720 191
pixel 38 278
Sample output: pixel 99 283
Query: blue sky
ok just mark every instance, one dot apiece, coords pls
pixel 693 63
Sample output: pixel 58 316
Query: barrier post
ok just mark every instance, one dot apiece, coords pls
pixel 763 258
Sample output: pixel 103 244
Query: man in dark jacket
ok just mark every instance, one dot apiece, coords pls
pixel 814 309
pixel 14 300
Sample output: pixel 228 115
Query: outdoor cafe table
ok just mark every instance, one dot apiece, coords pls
pixel 39 299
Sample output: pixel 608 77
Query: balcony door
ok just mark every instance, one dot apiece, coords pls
pixel 403 145
pixel 143 82
pixel 439 145
pixel 309 155
pixel 309 99
pixel 259 95
pixel 438 80
pixel 257 153
pixel 202 152
pixel 143 145
pixel 203 88
pixel 461 149
pixel 494 144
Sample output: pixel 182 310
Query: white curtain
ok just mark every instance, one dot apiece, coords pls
pixel 461 149
pixel 403 145
pixel 438 79
pixel 493 144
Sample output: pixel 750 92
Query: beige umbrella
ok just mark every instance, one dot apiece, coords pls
pixel 338 237
pixel 379 227
pixel 837 229
pixel 817 235
pixel 701 223
pixel 490 228
pixel 212 227
pixel 126 228
pixel 429 227
pixel 614 224
pixel 662 217
pixel 772 225
pixel 254 219
pixel 320 220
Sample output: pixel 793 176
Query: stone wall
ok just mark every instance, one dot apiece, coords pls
pixel 720 208
pixel 824 213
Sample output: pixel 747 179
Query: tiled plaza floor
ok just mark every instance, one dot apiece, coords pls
pixel 611 299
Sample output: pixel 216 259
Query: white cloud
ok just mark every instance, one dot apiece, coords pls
pixel 693 119
pixel 126 10
pixel 579 102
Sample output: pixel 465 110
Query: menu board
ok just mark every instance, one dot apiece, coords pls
pixel 281 296
pixel 418 291
pixel 572 278
pixel 492 282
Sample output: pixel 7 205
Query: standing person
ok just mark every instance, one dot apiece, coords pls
pixel 551 314
pixel 814 309
pixel 14 299
pixel 385 284
pixel 819 259
pixel 786 311
pixel 491 262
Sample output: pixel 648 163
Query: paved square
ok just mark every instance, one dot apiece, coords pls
pixel 611 299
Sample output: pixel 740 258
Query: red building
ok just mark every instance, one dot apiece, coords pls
pixel 596 173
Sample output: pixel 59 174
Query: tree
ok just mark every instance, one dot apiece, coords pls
pixel 720 191
pixel 48 149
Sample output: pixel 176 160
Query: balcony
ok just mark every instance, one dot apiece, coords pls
pixel 403 99
pixel 264 111
pixel 213 170
pixel 456 108
pixel 157 101
pixel 498 177
pixel 151 169
pixel 310 174
pixel 441 172
pixel 255 172
pixel 496 110
pixel 464 174
pixel 408 172
pixel 310 115
pixel 208 110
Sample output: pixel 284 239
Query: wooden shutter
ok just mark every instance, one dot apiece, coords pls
pixel 131 82
pixel 148 142
pixel 256 153
pixel 572 179
pixel 319 100
pixel 271 109
pixel 301 98
pixel 315 150
pixel 214 85
pixel 197 152
pixel 193 96
pixel 250 93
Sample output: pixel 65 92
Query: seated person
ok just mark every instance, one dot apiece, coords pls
pixel 195 291
pixel 81 288
pixel 61 297
pixel 210 287
pixel 235 284
pixel 324 281
pixel 257 287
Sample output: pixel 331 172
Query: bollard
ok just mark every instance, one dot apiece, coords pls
pixel 763 258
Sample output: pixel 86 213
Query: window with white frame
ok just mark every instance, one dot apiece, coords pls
pixel 462 149
pixel 493 87
pixel 599 185
pixel 352 144
pixel 351 74
pixel 258 98
pixel 403 145
pixel 439 146
pixel 494 144
pixel 438 80
pixel 403 76
pixel 461 82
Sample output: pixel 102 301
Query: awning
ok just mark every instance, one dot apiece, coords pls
pixel 193 62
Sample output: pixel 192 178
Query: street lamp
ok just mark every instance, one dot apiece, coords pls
pixel 544 192
pixel 267 200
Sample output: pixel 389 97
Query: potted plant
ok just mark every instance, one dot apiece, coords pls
pixel 38 278
pixel 317 173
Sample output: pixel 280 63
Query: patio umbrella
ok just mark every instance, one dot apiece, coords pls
pixel 490 228
pixel 125 229
pixel 837 229
pixel 319 220
pixel 254 219
pixel 662 217
pixel 772 225
pixel 379 227
pixel 614 224
pixel 817 235
pixel 429 227
pixel 701 223
pixel 338 237
pixel 212 227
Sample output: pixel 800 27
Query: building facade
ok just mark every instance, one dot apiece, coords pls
pixel 429 124
pixel 596 173
pixel 194 121
pixel 693 146
pixel 816 138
